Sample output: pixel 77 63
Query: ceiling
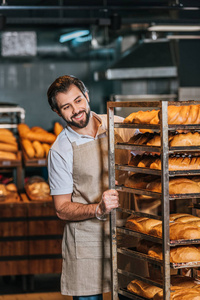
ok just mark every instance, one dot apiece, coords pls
pixel 116 15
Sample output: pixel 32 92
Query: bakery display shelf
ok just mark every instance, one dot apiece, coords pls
pixel 134 276
pixel 138 169
pixel 132 252
pixel 33 162
pixel 171 127
pixel 155 171
pixel 138 213
pixel 126 293
pixel 172 243
pixel 123 188
pixel 184 149
pixel 139 234
pixel 155 194
pixel 11 163
pixel 196 205
pixel 126 146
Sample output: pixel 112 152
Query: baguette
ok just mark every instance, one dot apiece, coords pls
pixel 7 155
pixel 7 132
pixel 46 148
pixel 28 147
pixel 178 163
pixel 39 150
pixel 23 130
pixel 143 289
pixel 8 139
pixel 47 137
pixel 8 147
pixel 57 128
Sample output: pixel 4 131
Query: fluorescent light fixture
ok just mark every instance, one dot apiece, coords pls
pixel 72 35
pixel 183 37
pixel 174 28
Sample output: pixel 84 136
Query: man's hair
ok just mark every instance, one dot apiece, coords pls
pixel 62 85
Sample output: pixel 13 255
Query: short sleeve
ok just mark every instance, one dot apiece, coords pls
pixel 60 173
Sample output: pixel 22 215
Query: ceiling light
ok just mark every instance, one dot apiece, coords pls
pixel 72 35
pixel 174 28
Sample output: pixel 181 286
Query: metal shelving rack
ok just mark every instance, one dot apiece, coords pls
pixel 164 151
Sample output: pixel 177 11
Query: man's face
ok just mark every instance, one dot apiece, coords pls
pixel 74 107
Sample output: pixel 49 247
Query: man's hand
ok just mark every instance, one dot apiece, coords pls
pixel 110 200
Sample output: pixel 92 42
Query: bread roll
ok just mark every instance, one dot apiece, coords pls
pixel 6 132
pixel 28 147
pixel 138 182
pixel 7 155
pixel 39 150
pixel 57 128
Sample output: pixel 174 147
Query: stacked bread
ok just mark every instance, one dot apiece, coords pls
pixel 180 285
pixel 182 226
pixel 8 145
pixel 9 193
pixel 36 141
pixel 176 139
pixel 37 189
pixel 184 114
pixel 177 185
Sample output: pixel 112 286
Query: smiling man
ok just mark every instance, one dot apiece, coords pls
pixel 78 178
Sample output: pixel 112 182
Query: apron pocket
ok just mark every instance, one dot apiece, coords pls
pixel 91 250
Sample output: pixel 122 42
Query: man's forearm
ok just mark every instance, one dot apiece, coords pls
pixel 72 211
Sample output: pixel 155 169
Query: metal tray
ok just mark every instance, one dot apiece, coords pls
pixel 133 253
pixel 173 243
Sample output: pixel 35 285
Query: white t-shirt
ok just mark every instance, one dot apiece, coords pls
pixel 60 157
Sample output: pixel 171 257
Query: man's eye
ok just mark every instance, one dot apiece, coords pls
pixel 79 100
pixel 66 107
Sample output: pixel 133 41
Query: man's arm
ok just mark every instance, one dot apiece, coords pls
pixel 73 211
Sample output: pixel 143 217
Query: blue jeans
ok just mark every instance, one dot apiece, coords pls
pixel 93 297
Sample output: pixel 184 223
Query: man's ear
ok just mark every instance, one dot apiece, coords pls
pixel 58 113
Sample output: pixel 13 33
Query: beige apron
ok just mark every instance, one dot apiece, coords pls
pixel 86 244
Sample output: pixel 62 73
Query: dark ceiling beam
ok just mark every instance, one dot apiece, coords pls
pixel 110 7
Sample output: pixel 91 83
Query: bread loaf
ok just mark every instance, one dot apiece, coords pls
pixel 185 114
pixel 176 186
pixel 8 147
pixel 28 147
pixel 178 163
pixel 143 225
pixel 8 139
pixel 4 155
pixel 182 254
pixel 46 148
pixel 139 182
pixel 37 134
pixel 142 288
pixel 57 128
pixel 38 190
pixel 39 150
pixel 181 294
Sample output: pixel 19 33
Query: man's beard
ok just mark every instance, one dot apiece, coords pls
pixel 81 123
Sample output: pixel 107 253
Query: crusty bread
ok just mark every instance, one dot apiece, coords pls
pixel 8 147
pixel 178 163
pixel 28 147
pixel 142 288
pixel 176 186
pixel 144 225
pixel 57 128
pixel 23 130
pixel 46 148
pixel 181 294
pixel 185 114
pixel 182 254
pixel 37 134
pixel 138 182
pixel 7 155
pixel 39 150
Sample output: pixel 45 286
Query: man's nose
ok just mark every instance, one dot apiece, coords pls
pixel 75 109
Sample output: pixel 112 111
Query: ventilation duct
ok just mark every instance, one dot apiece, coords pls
pixel 148 59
